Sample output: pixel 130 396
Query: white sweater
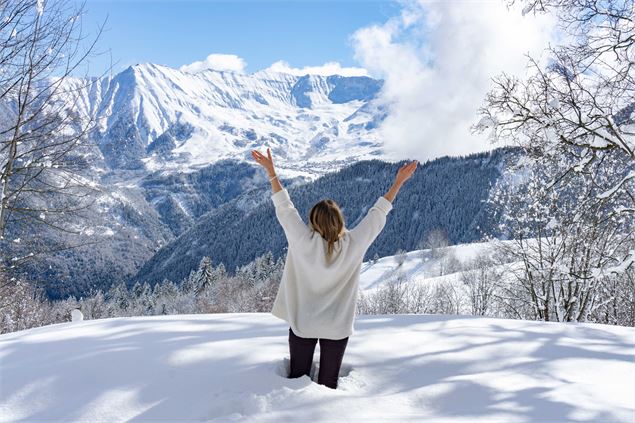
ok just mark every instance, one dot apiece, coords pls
pixel 318 298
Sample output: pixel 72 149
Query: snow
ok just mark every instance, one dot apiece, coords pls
pixel 552 224
pixel 419 265
pixel 486 122
pixel 77 315
pixel 620 268
pixel 232 113
pixel 610 192
pixel 527 9
pixel 231 367
pixel 554 103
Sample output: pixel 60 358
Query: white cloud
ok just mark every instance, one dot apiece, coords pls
pixel 329 68
pixel 437 60
pixel 221 62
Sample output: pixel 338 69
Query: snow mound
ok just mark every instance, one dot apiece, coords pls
pixel 233 367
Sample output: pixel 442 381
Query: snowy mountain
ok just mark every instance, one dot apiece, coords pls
pixel 158 118
pixel 233 367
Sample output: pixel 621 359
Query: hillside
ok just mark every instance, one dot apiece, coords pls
pixel 230 367
pixel 420 266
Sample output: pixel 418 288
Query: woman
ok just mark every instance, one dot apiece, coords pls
pixel 319 286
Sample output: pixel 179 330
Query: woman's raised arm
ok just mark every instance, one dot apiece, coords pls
pixel 403 174
pixel 267 163
pixel 288 216
pixel 373 223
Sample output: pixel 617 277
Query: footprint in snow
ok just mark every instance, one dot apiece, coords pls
pixel 347 379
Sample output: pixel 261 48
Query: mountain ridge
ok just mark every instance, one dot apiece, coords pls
pixel 231 110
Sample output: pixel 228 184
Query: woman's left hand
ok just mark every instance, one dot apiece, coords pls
pixel 264 161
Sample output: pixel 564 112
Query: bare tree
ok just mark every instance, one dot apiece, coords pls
pixel 435 240
pixel 481 280
pixel 398 295
pixel 44 127
pixel 448 298
pixel 580 103
pixel 400 256
pixel 574 118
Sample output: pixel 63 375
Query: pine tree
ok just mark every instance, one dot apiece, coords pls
pixel 205 276
pixel 118 300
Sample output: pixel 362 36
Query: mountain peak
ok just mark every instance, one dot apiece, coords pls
pixel 228 113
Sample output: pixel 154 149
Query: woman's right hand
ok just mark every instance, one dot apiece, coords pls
pixel 405 172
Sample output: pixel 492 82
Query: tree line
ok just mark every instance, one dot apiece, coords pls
pixel 493 284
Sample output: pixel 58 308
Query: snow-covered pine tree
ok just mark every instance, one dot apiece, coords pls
pixel 204 277
pixel 119 300
pixel 164 296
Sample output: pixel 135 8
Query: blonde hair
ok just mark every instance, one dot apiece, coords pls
pixel 327 219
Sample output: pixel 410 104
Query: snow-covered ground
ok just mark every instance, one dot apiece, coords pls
pixel 419 265
pixel 231 367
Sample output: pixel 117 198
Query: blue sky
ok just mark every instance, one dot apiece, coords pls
pixel 175 33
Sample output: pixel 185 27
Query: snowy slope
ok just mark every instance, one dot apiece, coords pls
pixel 158 118
pixel 230 367
pixel 418 265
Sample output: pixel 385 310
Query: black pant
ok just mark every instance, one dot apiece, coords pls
pixel 331 354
